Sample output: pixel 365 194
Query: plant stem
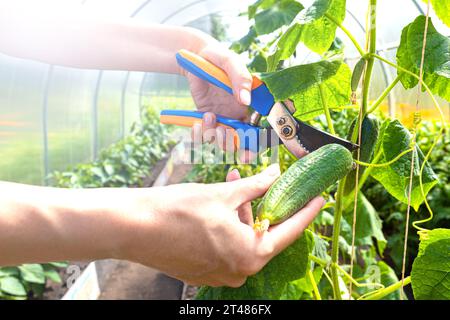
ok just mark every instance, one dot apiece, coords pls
pixel 372 33
pixel 380 294
pixel 327 111
pixel 317 260
pixel 314 285
pixel 335 240
pixel 384 94
pixel 363 179
pixel 347 32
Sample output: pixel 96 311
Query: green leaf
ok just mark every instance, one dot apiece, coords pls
pixel 258 64
pixel 336 92
pixel 395 178
pixel 9 271
pixel 245 42
pixel 312 27
pixel 32 273
pixel 271 281
pixel 368 224
pixel 442 9
pixel 319 33
pixel 12 286
pixel 430 274
pixel 432 236
pixel 289 82
pixel 436 67
pixel 301 288
pixel 52 274
pixel 279 14
pixel 387 278
pixel 59 264
pixel 260 4
pixel 286 46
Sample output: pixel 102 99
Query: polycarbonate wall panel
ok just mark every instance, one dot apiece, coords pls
pixel 132 86
pixel 109 108
pixel 21 142
pixel 71 118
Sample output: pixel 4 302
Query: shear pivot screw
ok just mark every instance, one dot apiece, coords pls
pixel 286 131
pixel 281 121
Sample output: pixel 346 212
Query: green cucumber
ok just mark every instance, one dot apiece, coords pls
pixel 302 181
pixel 369 136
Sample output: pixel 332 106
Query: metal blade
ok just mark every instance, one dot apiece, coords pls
pixel 312 138
pixel 303 138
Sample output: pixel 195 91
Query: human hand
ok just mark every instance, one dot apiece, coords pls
pixel 213 100
pixel 203 234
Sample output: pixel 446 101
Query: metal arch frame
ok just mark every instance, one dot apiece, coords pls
pixel 144 78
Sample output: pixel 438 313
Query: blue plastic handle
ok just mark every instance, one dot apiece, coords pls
pixel 248 134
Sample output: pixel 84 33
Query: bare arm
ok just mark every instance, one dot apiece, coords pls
pixel 198 233
pixel 81 41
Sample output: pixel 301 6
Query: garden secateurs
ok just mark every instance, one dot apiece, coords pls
pixel 298 137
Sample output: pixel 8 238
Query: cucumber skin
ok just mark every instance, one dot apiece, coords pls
pixel 369 135
pixel 304 180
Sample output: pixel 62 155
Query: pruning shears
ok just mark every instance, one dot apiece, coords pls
pixel 298 137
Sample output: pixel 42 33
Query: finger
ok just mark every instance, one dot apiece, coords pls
pixel 196 134
pixel 245 210
pixel 235 68
pixel 288 231
pixel 247 189
pixel 208 127
pixel 247 156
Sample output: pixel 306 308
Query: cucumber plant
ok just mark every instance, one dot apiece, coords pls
pixel 341 255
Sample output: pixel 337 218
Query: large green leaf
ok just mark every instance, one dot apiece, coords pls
pixel 334 91
pixel 271 281
pixel 433 236
pixel 436 67
pixel 442 9
pixel 289 82
pixel 312 27
pixel 319 33
pixel 279 14
pixel 302 289
pixel 368 224
pixel 395 177
pixel 430 274
pixel 12 286
pixel 32 273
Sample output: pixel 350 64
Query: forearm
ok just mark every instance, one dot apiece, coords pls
pixel 40 224
pixel 84 42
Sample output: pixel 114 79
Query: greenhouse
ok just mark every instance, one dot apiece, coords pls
pixel 334 115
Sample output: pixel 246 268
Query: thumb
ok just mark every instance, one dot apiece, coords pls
pixel 247 189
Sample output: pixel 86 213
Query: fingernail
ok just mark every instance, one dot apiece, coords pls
pixel 324 202
pixel 208 118
pixel 245 96
pixel 273 170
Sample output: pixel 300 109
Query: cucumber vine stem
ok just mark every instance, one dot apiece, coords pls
pixel 314 285
pixel 326 110
pixel 347 32
pixel 335 239
pixel 370 61
pixel 381 293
